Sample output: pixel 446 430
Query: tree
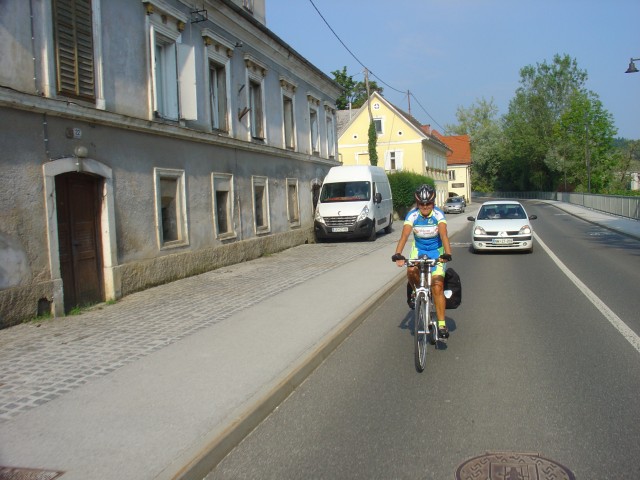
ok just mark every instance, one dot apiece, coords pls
pixel 552 122
pixel 354 93
pixel 480 122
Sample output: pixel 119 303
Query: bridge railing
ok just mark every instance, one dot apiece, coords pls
pixel 614 204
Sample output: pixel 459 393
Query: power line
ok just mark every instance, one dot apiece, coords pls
pixel 353 54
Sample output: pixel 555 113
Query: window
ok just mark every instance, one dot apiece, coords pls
pixel 222 187
pixel 393 160
pixel 260 204
pixel 293 209
pixel 170 207
pixel 331 133
pixel 314 134
pixel 256 72
pixel 218 53
pixel 73 35
pixel 218 96
pixel 452 174
pixel 378 124
pixel 313 125
pixel 173 73
pixel 255 107
pixel 289 130
pixel 248 4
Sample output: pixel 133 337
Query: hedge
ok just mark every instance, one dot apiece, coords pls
pixel 403 188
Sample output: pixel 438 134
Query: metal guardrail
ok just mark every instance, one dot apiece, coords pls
pixel 628 207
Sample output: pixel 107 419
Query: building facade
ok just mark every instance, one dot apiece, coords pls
pixel 146 141
pixel 458 164
pixel 402 143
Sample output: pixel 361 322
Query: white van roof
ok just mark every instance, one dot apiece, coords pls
pixel 356 172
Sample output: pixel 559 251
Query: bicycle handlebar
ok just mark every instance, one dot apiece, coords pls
pixel 412 262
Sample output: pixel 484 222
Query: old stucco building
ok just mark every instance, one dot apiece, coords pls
pixel 145 141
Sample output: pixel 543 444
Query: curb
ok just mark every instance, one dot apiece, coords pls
pixel 198 462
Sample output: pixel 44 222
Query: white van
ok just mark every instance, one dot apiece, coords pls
pixel 355 201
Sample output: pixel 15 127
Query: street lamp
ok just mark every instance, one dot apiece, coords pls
pixel 632 66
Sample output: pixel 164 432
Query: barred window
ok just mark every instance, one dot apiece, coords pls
pixel 73 32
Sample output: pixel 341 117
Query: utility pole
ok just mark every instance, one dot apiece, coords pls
pixel 409 101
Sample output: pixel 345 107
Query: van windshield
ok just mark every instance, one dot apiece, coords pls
pixel 345 192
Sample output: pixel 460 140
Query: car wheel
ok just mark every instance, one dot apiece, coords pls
pixel 388 228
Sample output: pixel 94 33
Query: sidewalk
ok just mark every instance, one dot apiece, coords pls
pixel 162 384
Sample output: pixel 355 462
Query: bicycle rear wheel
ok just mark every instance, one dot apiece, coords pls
pixel 420 332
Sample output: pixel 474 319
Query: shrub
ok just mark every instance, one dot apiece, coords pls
pixel 403 187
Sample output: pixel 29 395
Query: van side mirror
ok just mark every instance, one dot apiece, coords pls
pixel 377 198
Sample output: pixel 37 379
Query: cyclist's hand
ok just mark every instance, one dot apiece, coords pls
pixel 398 258
pixel 445 257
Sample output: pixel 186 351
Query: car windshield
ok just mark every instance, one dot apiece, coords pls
pixel 454 200
pixel 345 192
pixel 501 211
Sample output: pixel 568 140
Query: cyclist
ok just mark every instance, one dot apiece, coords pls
pixel 429 227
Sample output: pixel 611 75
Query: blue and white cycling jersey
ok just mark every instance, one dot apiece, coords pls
pixel 426 239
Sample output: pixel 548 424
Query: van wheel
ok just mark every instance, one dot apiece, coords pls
pixel 388 228
pixel 372 235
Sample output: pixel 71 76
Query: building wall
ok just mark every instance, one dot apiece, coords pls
pixel 414 151
pixel 118 140
pixel 462 184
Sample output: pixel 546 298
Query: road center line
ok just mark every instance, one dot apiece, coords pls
pixel 616 321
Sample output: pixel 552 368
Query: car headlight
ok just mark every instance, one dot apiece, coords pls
pixel 525 230
pixel 478 230
pixel 363 214
pixel 318 217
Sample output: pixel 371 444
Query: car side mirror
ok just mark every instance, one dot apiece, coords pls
pixel 471 219
pixel 532 217
pixel 377 198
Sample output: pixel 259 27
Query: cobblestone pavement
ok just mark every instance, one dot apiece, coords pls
pixel 42 361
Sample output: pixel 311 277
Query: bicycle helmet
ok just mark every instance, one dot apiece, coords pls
pixel 425 194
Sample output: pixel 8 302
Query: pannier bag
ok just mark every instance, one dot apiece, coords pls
pixel 452 284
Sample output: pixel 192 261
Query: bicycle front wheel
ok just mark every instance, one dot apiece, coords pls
pixel 420 332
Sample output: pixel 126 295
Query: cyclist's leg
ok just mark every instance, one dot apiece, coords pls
pixel 413 279
pixel 437 292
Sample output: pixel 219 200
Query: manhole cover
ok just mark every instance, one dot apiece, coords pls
pixel 512 466
pixel 13 473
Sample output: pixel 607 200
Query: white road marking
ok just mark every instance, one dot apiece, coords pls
pixel 616 321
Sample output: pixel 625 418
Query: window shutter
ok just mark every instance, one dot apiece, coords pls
pixel 74 47
pixel 187 82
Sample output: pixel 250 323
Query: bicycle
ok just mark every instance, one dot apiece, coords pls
pixel 425 324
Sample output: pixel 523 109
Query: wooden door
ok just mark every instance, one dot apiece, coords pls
pixel 78 203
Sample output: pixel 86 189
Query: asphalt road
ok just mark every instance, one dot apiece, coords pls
pixel 531 366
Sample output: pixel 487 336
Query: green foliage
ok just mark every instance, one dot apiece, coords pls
pixel 403 186
pixel 373 140
pixel 481 124
pixel 354 92
pixel 555 136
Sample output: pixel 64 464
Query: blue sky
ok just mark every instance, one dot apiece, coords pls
pixel 452 53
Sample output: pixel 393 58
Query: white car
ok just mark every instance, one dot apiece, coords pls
pixel 502 225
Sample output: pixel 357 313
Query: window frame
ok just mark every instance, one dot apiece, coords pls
pixel 219 52
pixel 255 98
pixel 223 182
pixel 379 121
pixel 263 183
pixel 181 207
pixel 329 113
pixel 173 92
pixel 293 208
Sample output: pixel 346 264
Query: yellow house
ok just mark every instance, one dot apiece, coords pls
pixel 402 143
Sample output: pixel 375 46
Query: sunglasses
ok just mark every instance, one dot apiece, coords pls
pixel 425 204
